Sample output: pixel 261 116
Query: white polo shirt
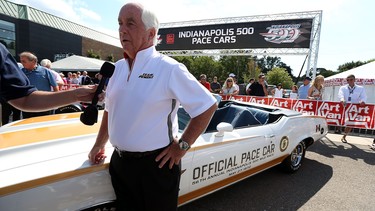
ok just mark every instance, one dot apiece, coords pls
pixel 356 94
pixel 142 111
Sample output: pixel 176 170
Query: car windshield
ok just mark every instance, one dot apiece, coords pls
pixel 184 117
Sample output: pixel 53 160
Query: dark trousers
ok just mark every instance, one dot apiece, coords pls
pixel 140 185
pixel 7 110
pixel 35 114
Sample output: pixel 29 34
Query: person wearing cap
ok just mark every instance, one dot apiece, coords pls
pixel 304 88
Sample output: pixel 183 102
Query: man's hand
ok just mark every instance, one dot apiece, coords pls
pixel 86 93
pixel 97 155
pixel 173 154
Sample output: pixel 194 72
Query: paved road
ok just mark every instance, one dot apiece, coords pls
pixel 334 176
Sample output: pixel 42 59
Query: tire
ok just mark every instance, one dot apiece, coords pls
pixel 69 109
pixel 294 161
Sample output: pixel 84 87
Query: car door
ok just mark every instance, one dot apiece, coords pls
pixel 222 158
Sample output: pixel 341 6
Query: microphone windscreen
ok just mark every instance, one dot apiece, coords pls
pixel 107 69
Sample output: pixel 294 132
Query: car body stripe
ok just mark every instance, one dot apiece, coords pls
pixel 51 179
pixel 42 134
pixel 182 199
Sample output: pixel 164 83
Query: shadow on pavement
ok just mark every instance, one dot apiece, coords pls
pixel 329 148
pixel 269 190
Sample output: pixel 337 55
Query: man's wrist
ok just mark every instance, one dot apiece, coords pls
pixel 183 145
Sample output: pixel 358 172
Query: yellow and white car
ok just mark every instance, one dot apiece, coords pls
pixel 44 163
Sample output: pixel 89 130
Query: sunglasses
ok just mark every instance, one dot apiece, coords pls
pixel 229 81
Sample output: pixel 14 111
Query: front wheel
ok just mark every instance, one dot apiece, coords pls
pixel 294 161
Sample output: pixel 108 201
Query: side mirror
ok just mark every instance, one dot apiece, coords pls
pixel 223 127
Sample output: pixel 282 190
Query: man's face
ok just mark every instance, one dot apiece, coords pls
pixel 133 35
pixel 306 81
pixel 27 64
pixel 261 79
pixel 350 81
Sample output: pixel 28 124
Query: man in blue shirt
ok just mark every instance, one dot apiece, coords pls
pixel 16 89
pixel 38 76
pixel 304 88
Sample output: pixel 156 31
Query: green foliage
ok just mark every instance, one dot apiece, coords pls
pixel 92 54
pixel 279 75
pixel 198 65
pixel 324 72
pixel 239 65
pixel 111 58
pixel 350 65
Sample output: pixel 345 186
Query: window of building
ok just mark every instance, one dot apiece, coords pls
pixel 8 36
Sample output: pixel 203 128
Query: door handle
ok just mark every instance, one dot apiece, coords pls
pixel 269 136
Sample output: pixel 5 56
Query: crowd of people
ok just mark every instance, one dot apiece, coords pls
pixel 44 78
pixel 310 89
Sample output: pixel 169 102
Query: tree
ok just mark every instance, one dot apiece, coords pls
pixel 198 65
pixel 324 72
pixel 253 70
pixel 280 75
pixel 235 64
pixel 111 58
pixel 350 65
pixel 92 54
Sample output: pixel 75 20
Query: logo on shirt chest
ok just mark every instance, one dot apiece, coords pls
pixel 146 75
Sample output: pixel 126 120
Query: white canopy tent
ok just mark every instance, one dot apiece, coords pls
pixel 77 63
pixel 365 76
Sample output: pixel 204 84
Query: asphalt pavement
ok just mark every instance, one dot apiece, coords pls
pixel 334 176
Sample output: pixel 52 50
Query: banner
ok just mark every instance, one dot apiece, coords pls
pixel 295 33
pixel 353 115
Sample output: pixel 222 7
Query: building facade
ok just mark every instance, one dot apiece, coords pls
pixel 23 28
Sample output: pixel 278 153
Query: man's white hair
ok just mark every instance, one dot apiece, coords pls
pixel 150 21
pixel 46 63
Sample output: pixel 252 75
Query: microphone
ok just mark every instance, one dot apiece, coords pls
pixel 90 113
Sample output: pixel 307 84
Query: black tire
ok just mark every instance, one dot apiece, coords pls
pixel 69 109
pixel 294 161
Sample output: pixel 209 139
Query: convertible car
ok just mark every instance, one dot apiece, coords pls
pixel 44 163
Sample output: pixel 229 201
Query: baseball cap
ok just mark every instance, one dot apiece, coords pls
pixel 308 78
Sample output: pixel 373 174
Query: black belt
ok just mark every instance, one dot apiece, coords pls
pixel 127 154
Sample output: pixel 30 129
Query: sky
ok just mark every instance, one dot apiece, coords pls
pixel 347 30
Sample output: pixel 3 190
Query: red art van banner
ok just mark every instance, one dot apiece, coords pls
pixel 333 111
pixel 353 115
pixel 282 102
pixel 358 116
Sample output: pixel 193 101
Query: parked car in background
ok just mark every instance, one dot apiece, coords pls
pixel 44 163
pixel 287 93
pixel 270 88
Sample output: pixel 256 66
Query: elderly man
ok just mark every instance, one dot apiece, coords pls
pixel 41 77
pixel 47 64
pixel 140 117
pixel 304 88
